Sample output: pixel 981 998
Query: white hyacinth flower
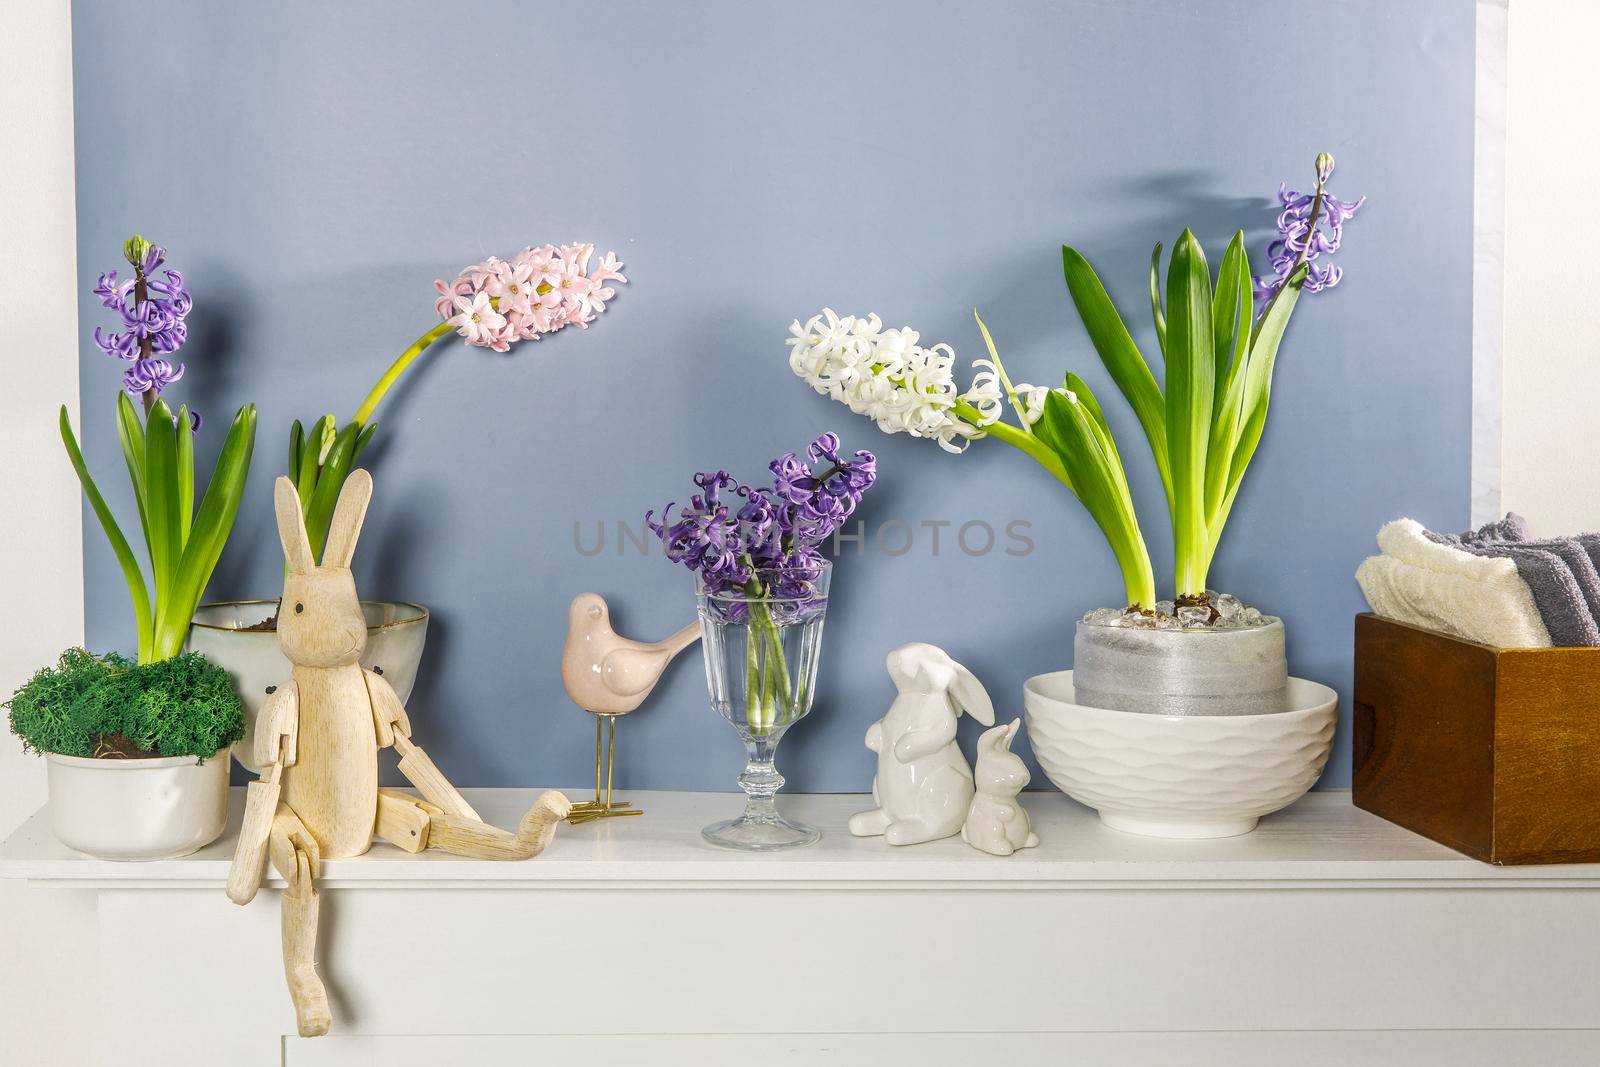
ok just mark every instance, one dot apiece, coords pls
pixel 1031 399
pixel 987 393
pixel 890 377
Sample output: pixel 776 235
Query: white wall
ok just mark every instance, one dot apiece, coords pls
pixel 43 934
pixel 1550 461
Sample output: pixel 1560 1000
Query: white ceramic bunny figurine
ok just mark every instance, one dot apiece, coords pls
pixel 996 822
pixel 923 786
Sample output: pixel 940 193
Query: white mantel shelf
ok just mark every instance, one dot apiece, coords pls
pixel 1326 936
pixel 1322 842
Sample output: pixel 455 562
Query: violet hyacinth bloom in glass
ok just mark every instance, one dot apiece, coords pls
pixel 762 585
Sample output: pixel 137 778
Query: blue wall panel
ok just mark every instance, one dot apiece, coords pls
pixel 313 167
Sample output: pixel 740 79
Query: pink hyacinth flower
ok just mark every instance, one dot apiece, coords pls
pixel 495 303
pixel 477 321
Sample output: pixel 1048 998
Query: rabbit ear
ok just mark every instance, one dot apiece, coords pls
pixel 1010 733
pixel 348 514
pixel 291 527
pixel 971 697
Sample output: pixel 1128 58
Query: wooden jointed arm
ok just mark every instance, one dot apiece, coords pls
pixel 420 771
pixel 388 713
pixel 394 728
pixel 277 730
pixel 250 857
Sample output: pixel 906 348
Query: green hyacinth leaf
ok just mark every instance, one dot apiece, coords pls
pixel 361 442
pixel 1097 419
pixel 1121 357
pixel 319 511
pixel 297 441
pixel 1231 322
pixel 1156 311
pixel 213 523
pixel 137 591
pixel 1191 373
pixel 161 499
pixel 1230 312
pixel 1256 391
pixel 311 462
pixel 185 475
pixel 130 435
pixel 1070 425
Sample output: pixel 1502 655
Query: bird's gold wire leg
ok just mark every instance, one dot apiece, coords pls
pixel 605 759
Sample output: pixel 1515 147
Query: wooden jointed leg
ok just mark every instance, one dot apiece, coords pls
pixel 403 820
pixel 414 824
pixel 294 854
pixel 452 825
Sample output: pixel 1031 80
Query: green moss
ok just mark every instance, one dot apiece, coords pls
pixel 184 706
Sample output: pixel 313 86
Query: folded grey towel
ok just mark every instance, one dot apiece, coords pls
pixel 1591 545
pixel 1511 528
pixel 1581 554
pixel 1561 573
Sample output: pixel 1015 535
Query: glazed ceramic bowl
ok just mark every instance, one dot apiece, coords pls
pixel 395 636
pixel 1180 776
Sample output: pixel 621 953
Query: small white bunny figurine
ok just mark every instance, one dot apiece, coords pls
pixel 996 822
pixel 923 786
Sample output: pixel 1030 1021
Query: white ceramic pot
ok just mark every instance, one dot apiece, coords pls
pixel 1180 775
pixel 395 636
pixel 138 809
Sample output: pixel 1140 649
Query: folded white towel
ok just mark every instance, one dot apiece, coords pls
pixel 1424 583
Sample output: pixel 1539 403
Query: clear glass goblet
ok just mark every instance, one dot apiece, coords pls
pixel 761 651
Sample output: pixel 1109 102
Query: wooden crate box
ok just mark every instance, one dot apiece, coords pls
pixel 1492 751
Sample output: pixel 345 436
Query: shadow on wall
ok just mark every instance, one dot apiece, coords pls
pixel 1172 201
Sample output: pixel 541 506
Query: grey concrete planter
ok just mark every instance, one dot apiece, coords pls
pixel 1182 672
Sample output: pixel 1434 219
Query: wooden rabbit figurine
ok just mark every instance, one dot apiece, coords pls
pixel 317 742
pixel 996 822
pixel 923 785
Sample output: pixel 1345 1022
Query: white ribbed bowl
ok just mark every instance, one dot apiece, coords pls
pixel 1180 776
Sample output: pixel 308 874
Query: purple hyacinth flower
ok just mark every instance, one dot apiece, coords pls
pixel 112 294
pixel 756 515
pixel 149 319
pixel 148 374
pixel 121 345
pixel 791 479
pixel 824 447
pixel 151 311
pixel 172 284
pixel 772 534
pixel 1310 225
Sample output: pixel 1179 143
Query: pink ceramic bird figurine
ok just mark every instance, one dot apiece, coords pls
pixel 608 675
